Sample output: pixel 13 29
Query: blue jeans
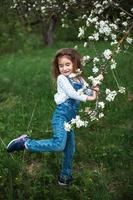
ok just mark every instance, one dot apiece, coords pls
pixel 62 140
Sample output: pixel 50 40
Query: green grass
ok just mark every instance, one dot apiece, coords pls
pixel 103 160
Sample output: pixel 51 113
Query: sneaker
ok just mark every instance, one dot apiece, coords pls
pixel 17 144
pixel 65 182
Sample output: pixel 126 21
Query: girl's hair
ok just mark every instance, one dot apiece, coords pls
pixel 72 55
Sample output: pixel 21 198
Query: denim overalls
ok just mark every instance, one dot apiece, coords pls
pixel 62 140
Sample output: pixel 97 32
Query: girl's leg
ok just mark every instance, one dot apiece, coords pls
pixel 69 151
pixel 57 143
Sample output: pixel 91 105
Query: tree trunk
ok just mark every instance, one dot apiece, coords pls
pixel 48 33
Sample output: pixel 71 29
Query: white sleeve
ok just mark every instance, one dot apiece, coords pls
pixel 64 83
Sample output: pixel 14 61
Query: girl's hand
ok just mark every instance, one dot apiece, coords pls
pixel 96 88
pixel 95 93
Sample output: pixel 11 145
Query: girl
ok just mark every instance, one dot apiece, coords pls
pixel 66 62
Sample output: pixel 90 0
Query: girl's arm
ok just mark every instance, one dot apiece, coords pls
pixel 64 83
pixel 68 89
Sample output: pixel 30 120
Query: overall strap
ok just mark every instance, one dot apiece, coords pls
pixel 72 81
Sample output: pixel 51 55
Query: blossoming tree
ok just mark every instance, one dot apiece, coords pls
pixel 101 20
pixel 43 14
pixel 116 33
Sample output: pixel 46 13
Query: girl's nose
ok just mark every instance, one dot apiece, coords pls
pixel 65 67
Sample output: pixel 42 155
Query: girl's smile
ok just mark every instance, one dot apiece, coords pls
pixel 65 66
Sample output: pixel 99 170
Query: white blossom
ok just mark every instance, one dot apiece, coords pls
pixel 88 110
pixel 110 95
pixel 96 60
pixel 114 26
pixel 67 126
pixel 129 40
pixel 101 104
pixel 114 42
pixel 93 116
pixel 91 20
pixel 96 80
pixel 132 10
pixel 100 11
pixel 73 75
pixel 76 47
pixel 85 59
pixel 113 64
pixel 98 5
pixel 85 44
pixel 85 86
pixel 121 89
pixel 87 23
pixel 96 36
pixel 105 2
pixel 113 36
pixel 107 54
pixel 43 8
pixel 118 20
pixel 128 18
pixel 91 38
pixel 81 32
pixel 78 122
pixel 104 28
pixel 101 115
pixel 118 49
pixel 95 69
pixel 125 23
pixel 122 14
pixel 84 16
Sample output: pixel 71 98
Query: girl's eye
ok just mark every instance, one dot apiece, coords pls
pixel 67 64
pixel 60 66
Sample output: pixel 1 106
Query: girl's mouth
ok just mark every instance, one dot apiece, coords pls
pixel 66 72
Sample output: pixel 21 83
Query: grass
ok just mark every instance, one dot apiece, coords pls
pixel 103 160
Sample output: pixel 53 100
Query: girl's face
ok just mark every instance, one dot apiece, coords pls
pixel 65 66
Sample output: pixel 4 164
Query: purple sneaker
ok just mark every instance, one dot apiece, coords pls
pixel 17 144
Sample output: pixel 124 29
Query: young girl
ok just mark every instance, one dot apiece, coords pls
pixel 66 62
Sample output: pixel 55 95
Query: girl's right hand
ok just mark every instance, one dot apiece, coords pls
pixel 95 93
pixel 96 88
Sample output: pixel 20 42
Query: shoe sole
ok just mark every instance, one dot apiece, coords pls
pixel 64 184
pixel 22 136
